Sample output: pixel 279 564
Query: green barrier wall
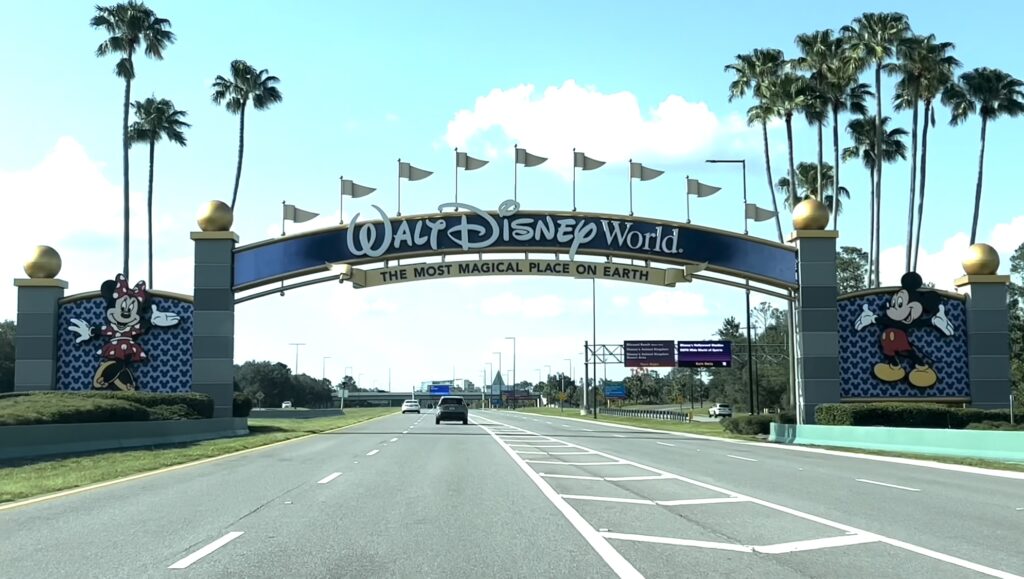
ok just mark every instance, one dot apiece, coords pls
pixel 988 444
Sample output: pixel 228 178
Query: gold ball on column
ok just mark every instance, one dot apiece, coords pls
pixel 215 216
pixel 981 259
pixel 44 263
pixel 810 214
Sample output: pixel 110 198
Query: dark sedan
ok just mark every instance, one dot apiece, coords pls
pixel 452 409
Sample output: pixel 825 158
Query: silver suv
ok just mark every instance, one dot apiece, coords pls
pixel 719 411
pixel 451 409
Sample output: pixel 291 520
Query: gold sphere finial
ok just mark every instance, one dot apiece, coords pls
pixel 981 259
pixel 810 214
pixel 215 216
pixel 44 263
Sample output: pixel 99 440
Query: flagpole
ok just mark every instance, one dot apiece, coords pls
pixel 687 193
pixel 515 173
pixel 745 226
pixel 399 214
pixel 574 178
pixel 456 176
pixel 630 189
pixel 282 218
pixel 341 200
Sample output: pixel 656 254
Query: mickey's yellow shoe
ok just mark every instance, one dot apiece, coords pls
pixel 888 372
pixel 923 377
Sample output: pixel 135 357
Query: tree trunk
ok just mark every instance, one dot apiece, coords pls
pixel 977 191
pixel 124 160
pixel 149 209
pixel 821 160
pixel 879 161
pixel 792 170
pixel 768 171
pixel 241 148
pixel 924 174
pixel 835 170
pixel 913 183
pixel 871 248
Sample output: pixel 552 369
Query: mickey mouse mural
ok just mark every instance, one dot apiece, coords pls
pixel 911 307
pixel 129 316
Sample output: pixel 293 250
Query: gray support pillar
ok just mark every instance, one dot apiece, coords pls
pixel 35 341
pixel 817 335
pixel 988 339
pixel 213 337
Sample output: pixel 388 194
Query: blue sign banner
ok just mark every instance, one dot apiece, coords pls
pixel 614 390
pixel 508 230
pixel 440 389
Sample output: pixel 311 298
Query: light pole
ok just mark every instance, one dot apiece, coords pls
pixel 296 371
pixel 593 304
pixel 323 368
pixel 750 356
pixel 499 372
pixel 490 370
pixel 513 370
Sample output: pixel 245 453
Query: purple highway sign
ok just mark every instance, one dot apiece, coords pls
pixel 704 354
pixel 649 354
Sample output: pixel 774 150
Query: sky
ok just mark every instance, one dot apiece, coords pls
pixel 366 83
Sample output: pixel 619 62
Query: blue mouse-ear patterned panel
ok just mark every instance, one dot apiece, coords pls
pixel 168 365
pixel 860 351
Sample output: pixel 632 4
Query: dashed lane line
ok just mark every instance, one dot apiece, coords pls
pixel 373 452
pixel 742 458
pixel 189 560
pixel 328 478
pixel 882 484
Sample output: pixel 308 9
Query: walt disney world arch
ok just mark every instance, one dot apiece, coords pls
pixel 903 343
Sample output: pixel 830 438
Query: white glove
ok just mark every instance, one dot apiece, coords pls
pixel 939 321
pixel 162 319
pixel 81 328
pixel 866 319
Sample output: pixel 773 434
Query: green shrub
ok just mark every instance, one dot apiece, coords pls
pixel 748 425
pixel 175 412
pixel 241 406
pixel 904 414
pixel 995 425
pixel 68 409
pixel 200 404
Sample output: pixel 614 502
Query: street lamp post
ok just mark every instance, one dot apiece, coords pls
pixel 514 401
pixel 296 371
pixel 323 368
pixel 746 231
pixel 499 372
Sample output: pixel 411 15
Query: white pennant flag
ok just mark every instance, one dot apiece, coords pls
pixel 695 187
pixel 527 159
pixel 464 161
pixel 584 162
pixel 757 214
pixel 638 171
pixel 407 171
pixel 293 213
pixel 354 189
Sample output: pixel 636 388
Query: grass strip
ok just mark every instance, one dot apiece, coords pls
pixel 25 478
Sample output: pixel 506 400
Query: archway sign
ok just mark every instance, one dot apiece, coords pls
pixel 472 231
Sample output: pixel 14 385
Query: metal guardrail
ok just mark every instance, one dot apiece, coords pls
pixel 670 415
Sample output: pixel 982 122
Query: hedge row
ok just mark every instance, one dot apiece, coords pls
pixel 53 407
pixel 757 423
pixel 993 425
pixel 905 414
pixel 241 406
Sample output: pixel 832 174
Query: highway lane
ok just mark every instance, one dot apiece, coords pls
pixel 964 515
pixel 412 500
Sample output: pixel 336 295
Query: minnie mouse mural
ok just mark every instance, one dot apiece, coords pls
pixel 127 319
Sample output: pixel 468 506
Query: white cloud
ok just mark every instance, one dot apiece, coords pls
pixel 510 304
pixel 620 301
pixel 672 303
pixel 944 266
pixel 608 127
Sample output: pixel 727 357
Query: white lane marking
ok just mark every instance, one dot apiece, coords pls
pixel 572 476
pixel 599 463
pixel 529 452
pixel 679 542
pixel 629 478
pixel 588 430
pixel 741 458
pixel 665 444
pixel 540 445
pixel 799 514
pixel 373 452
pixel 609 499
pixel 619 565
pixel 574 452
pixel 874 482
pixel 394 439
pixel 184 563
pixel 812 544
pixel 328 478
pixel 714 501
pixel 619 435
pixel 405 432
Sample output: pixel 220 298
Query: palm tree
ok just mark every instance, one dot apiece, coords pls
pixel 793 94
pixel 862 131
pixel 808 177
pixel 246 84
pixel 991 93
pixel 131 25
pixel 937 67
pixel 818 50
pixel 156 119
pixel 872 39
pixel 757 72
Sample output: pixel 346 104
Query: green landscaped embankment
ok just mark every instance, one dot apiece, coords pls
pixel 715 429
pixel 20 479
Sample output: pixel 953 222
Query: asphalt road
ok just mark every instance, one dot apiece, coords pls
pixel 518 495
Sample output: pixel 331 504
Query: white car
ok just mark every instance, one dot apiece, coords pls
pixel 286 404
pixel 719 411
pixel 410 406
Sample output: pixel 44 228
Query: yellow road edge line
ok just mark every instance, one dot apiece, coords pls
pixel 101 484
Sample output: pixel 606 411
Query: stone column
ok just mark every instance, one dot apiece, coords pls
pixel 35 340
pixel 213 337
pixel 817 326
pixel 988 328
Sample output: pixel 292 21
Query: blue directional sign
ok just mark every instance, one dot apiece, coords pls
pixel 440 389
pixel 615 390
